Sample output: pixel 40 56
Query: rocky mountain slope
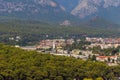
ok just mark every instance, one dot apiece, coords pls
pixel 88 7
pixel 61 10
pixel 69 5
pixel 33 9
pixel 108 9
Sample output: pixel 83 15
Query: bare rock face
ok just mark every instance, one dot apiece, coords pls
pixel 46 2
pixel 47 10
pixel 22 5
pixel 89 7
pixel 61 10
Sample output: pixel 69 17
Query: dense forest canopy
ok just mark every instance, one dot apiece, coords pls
pixel 18 64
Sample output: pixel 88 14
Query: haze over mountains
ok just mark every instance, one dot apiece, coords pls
pixel 107 9
pixel 61 10
pixel 44 10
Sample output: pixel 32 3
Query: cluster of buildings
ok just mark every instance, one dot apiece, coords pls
pixel 56 47
pixel 103 46
pixel 104 43
pixel 54 44
pixel 107 58
pixel 104 40
pixel 110 60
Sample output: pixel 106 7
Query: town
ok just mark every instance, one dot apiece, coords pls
pixel 96 49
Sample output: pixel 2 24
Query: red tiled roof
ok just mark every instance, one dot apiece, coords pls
pixel 106 56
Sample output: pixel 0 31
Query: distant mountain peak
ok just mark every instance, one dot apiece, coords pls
pixel 88 7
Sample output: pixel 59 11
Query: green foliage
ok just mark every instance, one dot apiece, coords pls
pixel 32 31
pixel 77 45
pixel 105 52
pixel 87 79
pixel 17 64
pixel 99 78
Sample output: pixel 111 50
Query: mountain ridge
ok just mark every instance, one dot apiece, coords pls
pixel 46 10
pixel 107 9
pixel 58 11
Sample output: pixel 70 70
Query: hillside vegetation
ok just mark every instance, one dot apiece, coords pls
pixel 32 31
pixel 17 64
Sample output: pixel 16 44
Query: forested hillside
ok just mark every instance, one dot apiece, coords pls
pixel 17 64
pixel 32 31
